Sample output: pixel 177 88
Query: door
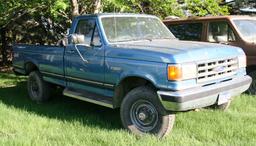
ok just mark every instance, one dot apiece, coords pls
pixel 85 63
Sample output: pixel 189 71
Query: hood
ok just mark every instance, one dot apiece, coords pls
pixel 171 51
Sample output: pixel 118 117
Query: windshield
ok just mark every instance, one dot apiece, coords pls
pixel 247 28
pixel 120 29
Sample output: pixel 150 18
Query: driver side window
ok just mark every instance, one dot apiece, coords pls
pixel 85 27
pixel 89 30
pixel 220 32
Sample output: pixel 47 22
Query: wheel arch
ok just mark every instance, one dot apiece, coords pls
pixel 29 66
pixel 128 83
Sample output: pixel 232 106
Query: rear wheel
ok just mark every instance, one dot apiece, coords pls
pixel 141 112
pixel 38 89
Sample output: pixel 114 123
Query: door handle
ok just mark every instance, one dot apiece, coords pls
pixel 71 51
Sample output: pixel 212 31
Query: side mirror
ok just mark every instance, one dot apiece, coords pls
pixel 62 42
pixel 79 39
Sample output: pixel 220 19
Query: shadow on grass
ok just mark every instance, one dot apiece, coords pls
pixel 61 108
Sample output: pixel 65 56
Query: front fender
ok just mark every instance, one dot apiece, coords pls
pixel 119 69
pixel 144 75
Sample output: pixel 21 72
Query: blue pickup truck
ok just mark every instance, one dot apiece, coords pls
pixel 133 62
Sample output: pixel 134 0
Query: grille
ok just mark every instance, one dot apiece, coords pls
pixel 212 70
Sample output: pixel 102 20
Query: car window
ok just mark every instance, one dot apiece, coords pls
pixel 187 31
pixel 86 28
pixel 134 28
pixel 220 32
pixel 244 26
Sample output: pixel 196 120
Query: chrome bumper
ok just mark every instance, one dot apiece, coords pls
pixel 202 96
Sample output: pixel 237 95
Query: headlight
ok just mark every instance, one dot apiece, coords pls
pixel 181 71
pixel 242 61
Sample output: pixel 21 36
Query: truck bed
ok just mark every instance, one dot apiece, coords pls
pixel 48 59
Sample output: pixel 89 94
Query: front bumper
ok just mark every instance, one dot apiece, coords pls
pixel 202 96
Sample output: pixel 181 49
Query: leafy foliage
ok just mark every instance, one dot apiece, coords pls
pixel 156 7
pixel 12 9
pixel 25 20
pixel 206 7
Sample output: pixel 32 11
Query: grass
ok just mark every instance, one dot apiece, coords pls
pixel 67 121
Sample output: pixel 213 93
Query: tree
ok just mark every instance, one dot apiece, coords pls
pixel 75 8
pixel 206 7
pixel 156 7
pixel 30 21
pixel 85 6
pixel 163 8
pixel 97 6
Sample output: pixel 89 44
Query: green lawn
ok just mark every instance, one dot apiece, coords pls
pixel 67 121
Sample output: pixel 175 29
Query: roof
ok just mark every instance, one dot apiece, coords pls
pixel 115 14
pixel 209 18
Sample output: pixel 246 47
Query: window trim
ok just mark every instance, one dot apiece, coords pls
pixel 92 39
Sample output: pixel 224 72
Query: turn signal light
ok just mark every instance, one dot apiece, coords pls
pixel 174 72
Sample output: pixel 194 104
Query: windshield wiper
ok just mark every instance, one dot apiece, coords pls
pixel 138 39
pixel 159 38
pixel 125 40
pixel 167 38
pixel 149 39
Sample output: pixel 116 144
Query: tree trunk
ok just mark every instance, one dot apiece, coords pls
pixel 4 46
pixel 97 6
pixel 75 8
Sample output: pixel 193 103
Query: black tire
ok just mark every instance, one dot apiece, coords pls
pixel 141 112
pixel 38 89
pixel 252 88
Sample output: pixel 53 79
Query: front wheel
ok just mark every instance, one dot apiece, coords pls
pixel 141 112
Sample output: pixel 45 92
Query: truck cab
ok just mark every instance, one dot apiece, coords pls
pixel 229 30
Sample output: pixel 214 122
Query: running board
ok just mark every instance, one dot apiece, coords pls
pixel 88 97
